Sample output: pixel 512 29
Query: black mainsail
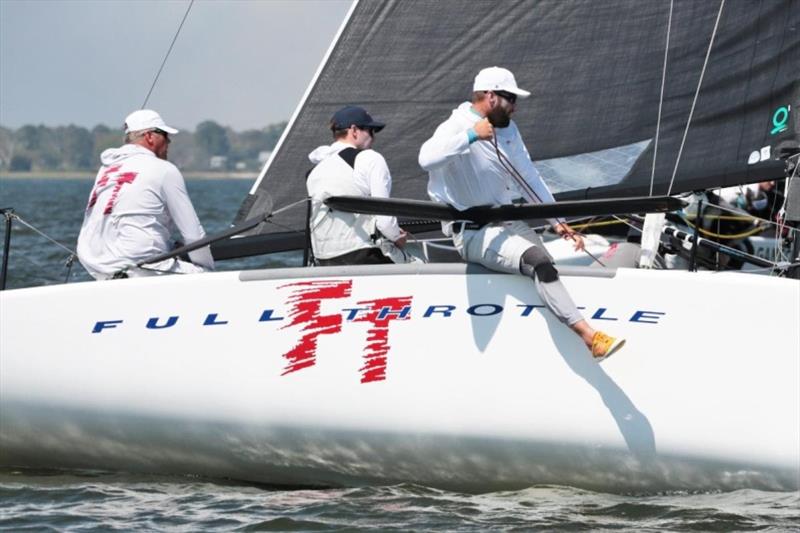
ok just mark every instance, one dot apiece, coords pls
pixel 595 70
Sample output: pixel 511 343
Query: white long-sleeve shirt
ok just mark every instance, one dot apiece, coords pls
pixel 137 202
pixel 467 175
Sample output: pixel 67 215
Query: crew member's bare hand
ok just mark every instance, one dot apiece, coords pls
pixel 567 233
pixel 484 129
pixel 402 239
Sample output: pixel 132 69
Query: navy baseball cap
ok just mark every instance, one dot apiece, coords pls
pixel 353 115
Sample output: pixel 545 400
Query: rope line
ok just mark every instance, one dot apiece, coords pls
pixel 741 218
pixel 748 233
pixel 166 56
pixel 526 187
pixel 596 224
pixel 661 98
pixel 696 95
pixel 30 226
pixel 628 223
pixel 286 207
pixel 744 216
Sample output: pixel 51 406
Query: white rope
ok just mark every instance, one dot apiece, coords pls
pixel 625 221
pixel 661 98
pixel 696 95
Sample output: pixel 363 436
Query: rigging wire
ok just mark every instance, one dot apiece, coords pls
pixel 269 220
pixel 743 216
pixel 166 56
pixel 696 95
pixel 72 253
pixel 24 223
pixel 740 218
pixel 661 98
pixel 627 223
pixel 287 207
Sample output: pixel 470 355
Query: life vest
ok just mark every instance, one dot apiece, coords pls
pixel 334 233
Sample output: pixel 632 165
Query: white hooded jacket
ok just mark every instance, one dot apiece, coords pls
pixel 334 233
pixel 136 204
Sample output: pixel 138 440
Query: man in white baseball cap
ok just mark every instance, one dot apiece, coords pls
pixel 147 120
pixel 474 159
pixel 137 200
pixel 498 79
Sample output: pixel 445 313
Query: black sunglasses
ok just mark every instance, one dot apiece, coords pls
pixel 163 133
pixel 510 97
pixel 369 130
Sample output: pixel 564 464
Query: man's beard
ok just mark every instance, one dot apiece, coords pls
pixel 499 117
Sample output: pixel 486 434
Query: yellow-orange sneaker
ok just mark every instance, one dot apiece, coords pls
pixel 604 346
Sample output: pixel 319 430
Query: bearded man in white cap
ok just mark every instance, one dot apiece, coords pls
pixel 465 171
pixel 138 201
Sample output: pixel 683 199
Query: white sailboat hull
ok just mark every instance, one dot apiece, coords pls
pixel 425 374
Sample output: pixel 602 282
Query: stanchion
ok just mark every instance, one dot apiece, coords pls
pixel 8 213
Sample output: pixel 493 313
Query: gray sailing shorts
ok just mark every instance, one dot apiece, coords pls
pixel 498 246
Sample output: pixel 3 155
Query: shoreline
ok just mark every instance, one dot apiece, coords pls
pixel 80 174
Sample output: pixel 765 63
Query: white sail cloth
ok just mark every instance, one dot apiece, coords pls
pixel 138 201
pixel 335 233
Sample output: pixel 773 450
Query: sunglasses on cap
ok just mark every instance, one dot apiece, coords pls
pixel 511 98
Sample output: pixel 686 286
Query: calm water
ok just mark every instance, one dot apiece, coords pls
pixel 97 501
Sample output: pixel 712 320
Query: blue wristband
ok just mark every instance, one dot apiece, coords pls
pixel 472 135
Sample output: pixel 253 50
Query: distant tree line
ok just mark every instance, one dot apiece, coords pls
pixel 74 148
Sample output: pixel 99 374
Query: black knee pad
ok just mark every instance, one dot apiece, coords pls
pixel 536 262
pixel 546 273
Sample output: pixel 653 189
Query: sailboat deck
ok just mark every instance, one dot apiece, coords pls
pixel 429 269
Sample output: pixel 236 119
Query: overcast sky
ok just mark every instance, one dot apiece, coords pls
pixel 242 63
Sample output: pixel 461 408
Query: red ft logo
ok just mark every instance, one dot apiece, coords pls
pixel 305 301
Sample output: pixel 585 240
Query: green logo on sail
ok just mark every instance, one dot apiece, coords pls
pixel 780 119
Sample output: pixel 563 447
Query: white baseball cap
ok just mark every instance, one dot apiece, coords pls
pixel 146 119
pixel 498 79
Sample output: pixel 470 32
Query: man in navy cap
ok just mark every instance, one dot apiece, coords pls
pixel 349 167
